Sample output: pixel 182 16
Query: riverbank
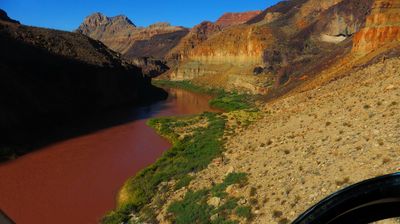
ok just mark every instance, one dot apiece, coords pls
pixel 25 140
pixel 82 175
pixel 226 101
pixel 197 140
pixel 303 147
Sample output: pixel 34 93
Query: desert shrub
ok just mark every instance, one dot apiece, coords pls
pixel 183 182
pixel 194 208
pixel 244 212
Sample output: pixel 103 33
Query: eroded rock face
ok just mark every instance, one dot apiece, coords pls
pixel 382 27
pixel 236 50
pixel 197 35
pixel 150 67
pixel 230 19
pixel 228 58
pixel 288 43
pixel 345 19
pixel 121 35
pixel 114 32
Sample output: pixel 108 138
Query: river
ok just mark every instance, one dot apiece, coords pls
pixel 76 180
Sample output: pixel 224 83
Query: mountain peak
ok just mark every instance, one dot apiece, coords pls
pixel 98 19
pixel 97 23
pixel 122 19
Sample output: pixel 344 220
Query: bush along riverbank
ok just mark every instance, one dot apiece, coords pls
pixel 226 101
pixel 197 140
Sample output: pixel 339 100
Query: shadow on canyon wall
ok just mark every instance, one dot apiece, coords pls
pixel 45 96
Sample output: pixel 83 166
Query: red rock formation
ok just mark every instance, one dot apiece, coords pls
pixel 197 35
pixel 230 19
pixel 382 27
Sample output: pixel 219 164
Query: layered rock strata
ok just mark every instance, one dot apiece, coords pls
pixel 382 27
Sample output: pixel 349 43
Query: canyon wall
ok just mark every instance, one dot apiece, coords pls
pixel 51 78
pixel 245 56
pixel 197 35
pixel 382 27
pixel 279 48
pixel 233 52
pixel 231 19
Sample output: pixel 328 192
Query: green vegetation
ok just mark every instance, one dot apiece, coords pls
pixel 227 101
pixel 195 209
pixel 233 178
pixel 196 140
pixel 231 101
pixel 121 215
pixel 190 154
pixel 244 212
pixel 183 182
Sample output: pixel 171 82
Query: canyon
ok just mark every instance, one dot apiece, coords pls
pixel 51 78
pixel 322 130
pixel 275 50
pixel 259 52
pixel 312 89
pixel 328 74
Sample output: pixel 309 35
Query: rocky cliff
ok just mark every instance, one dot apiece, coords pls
pixel 230 57
pixel 50 78
pixel 197 35
pixel 121 35
pixel 382 27
pixel 230 19
pixel 279 45
pixel 150 67
pixel 232 52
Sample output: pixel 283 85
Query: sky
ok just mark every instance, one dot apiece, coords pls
pixel 68 14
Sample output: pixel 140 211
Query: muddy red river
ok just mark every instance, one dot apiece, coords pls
pixel 76 180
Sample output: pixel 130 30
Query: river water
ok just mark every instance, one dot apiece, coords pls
pixel 76 180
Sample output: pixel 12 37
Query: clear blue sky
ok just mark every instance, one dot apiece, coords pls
pixel 68 14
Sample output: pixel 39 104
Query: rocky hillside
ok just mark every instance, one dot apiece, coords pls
pixel 121 35
pixel 50 77
pixel 231 19
pixel 281 46
pixel 308 146
pixel 339 127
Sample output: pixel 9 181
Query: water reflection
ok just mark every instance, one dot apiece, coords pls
pixel 76 180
